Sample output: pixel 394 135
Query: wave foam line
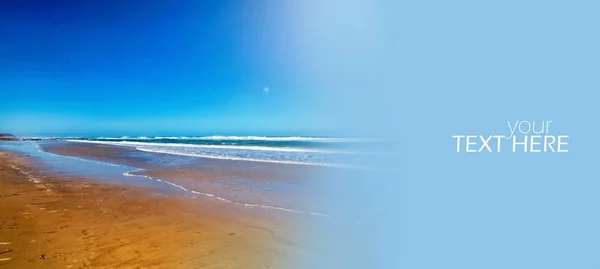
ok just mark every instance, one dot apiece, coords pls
pixel 258 148
pixel 132 173
pixel 274 138
pixel 332 165
pixel 142 144
pixel 28 174
pixel 239 158
pixel 258 138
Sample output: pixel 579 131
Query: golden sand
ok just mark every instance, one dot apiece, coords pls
pixel 56 222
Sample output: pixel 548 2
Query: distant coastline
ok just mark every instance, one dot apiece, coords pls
pixel 11 137
pixel 5 136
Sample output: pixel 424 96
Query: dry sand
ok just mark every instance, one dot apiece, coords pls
pixel 57 222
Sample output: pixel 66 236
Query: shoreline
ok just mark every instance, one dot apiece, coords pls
pixel 267 186
pixel 77 223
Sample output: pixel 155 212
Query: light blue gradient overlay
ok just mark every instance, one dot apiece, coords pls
pixel 412 72
pixel 422 71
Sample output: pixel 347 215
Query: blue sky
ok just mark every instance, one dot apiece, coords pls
pixel 147 67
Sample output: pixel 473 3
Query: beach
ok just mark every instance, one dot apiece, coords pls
pixel 50 220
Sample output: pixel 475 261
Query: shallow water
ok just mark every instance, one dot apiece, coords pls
pixel 104 172
pixel 319 151
pixel 287 188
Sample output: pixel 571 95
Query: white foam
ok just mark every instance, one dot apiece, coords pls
pixel 273 138
pixel 166 148
pixel 221 157
pixel 212 196
pixel 259 148
pixel 257 138
pixel 28 174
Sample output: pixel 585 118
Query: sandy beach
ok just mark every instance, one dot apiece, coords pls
pixel 57 222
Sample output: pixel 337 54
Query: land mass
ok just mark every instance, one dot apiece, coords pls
pixel 5 136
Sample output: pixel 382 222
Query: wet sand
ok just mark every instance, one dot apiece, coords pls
pixel 262 184
pixel 204 167
pixel 57 222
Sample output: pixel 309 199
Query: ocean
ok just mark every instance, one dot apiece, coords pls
pixel 281 173
pixel 322 151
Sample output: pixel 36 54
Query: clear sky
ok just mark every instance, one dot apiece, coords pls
pixel 147 68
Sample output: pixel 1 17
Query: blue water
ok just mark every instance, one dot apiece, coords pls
pixel 246 171
pixel 70 167
pixel 323 151
pixel 246 184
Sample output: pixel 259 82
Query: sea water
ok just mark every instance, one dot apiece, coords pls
pixel 72 167
pixel 323 151
pixel 274 172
